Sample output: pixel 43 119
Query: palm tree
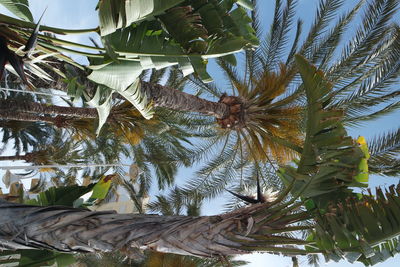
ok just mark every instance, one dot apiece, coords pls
pixel 23 134
pixel 340 223
pixel 159 144
pixel 361 70
pixel 54 151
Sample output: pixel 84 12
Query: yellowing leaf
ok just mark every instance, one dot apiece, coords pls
pixel 363 146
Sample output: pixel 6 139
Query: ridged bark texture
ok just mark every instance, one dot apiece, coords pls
pixel 16 157
pixel 38 108
pixel 76 230
pixel 20 116
pixel 167 97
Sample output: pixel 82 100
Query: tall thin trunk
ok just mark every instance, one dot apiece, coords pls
pixel 28 157
pixel 15 157
pixel 162 96
pixel 20 116
pixel 167 97
pixel 38 108
pixel 36 167
pixel 77 230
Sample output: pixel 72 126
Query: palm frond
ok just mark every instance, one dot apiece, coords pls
pixel 275 44
pixel 385 150
pixel 326 11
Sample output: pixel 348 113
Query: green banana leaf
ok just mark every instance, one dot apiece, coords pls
pixel 35 258
pixel 141 35
pixel 330 160
pixel 20 8
pixel 116 14
pixel 63 196
pixel 353 226
pixel 365 230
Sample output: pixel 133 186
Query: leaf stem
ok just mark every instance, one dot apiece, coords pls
pixel 25 24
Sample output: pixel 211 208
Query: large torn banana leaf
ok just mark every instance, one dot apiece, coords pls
pixel 347 225
pixel 184 33
pixel 362 229
pixel 330 159
pixel 116 14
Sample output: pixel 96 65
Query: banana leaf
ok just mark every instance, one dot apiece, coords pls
pixel 20 8
pixel 331 161
pixel 140 35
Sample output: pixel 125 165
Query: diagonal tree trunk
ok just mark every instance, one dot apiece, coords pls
pixel 76 230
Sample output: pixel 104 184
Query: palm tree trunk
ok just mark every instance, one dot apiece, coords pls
pixel 28 157
pixel 16 157
pixel 76 230
pixel 20 116
pixel 162 96
pixel 167 97
pixel 38 108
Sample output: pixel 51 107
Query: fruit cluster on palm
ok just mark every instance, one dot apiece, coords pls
pixel 290 101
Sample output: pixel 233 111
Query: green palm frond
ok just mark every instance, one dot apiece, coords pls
pixel 385 150
pixel 275 44
pixel 326 12
pixel 176 203
pixel 323 52
pixel 375 25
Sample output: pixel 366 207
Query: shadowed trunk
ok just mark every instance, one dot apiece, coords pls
pixel 167 97
pixel 16 157
pixel 59 121
pixel 28 157
pixel 76 230
pixel 38 108
pixel 162 96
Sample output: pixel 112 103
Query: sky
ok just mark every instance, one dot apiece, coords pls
pixel 74 14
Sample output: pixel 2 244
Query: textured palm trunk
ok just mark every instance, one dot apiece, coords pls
pixel 38 108
pixel 167 97
pixel 162 96
pixel 28 157
pixel 76 230
pixel 20 116
pixel 16 157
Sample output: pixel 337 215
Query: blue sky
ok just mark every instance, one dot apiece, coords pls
pixel 81 14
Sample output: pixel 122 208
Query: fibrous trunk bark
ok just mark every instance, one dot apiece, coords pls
pixel 77 230
pixel 20 116
pixel 16 157
pixel 38 108
pixel 162 96
pixel 28 157
pixel 167 97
